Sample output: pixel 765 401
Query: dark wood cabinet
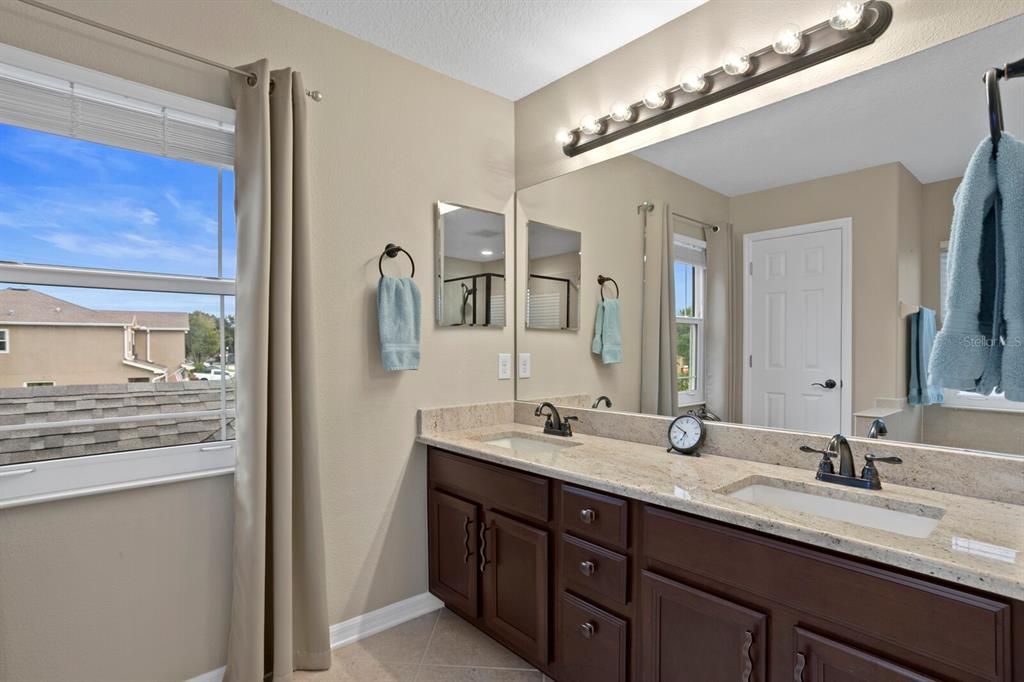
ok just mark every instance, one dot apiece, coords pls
pixel 452 543
pixel 820 659
pixel 514 566
pixel 691 635
pixel 588 586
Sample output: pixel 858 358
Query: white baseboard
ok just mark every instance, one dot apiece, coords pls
pixel 361 627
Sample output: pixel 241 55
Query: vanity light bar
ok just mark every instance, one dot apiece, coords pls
pixel 853 25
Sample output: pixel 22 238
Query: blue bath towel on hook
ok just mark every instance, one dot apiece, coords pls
pixel 398 318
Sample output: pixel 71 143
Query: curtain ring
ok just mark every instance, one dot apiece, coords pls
pixel 272 86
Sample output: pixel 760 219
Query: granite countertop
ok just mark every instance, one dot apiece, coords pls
pixel 978 543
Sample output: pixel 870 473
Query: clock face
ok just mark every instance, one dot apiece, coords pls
pixel 686 434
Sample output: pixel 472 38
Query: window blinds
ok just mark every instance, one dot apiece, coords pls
pixel 687 252
pixel 32 100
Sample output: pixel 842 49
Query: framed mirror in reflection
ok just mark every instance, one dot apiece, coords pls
pixel 798 290
pixel 471 276
pixel 553 277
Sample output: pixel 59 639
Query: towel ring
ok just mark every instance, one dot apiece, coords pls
pixel 392 250
pixel 602 280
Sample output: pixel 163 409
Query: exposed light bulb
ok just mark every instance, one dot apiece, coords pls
pixel 846 15
pixel 693 80
pixel 736 62
pixel 621 111
pixel 655 98
pixel 592 125
pixel 789 40
pixel 486 252
pixel 565 137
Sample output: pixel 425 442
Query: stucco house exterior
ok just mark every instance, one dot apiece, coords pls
pixel 46 341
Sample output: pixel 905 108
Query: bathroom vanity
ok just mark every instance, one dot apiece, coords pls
pixel 576 557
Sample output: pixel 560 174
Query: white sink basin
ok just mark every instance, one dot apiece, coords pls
pixel 916 521
pixel 531 445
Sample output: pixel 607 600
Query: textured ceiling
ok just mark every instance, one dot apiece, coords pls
pixel 508 47
pixel 927 111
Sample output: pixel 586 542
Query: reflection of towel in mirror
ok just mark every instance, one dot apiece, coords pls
pixel 922 336
pixel 1010 174
pixel 608 332
pixel 398 317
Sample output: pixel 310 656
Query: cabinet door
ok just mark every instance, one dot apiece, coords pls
pixel 452 540
pixel 514 557
pixel 819 659
pixel 692 636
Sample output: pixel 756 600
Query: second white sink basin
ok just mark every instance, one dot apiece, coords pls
pixel 531 445
pixel 916 521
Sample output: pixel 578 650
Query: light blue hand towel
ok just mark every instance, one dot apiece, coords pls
pixel 965 347
pixel 1010 175
pixel 922 337
pixel 398 317
pixel 608 332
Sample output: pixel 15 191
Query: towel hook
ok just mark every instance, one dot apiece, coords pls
pixel 392 250
pixel 602 280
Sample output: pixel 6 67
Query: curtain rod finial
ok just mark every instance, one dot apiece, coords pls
pixel 315 95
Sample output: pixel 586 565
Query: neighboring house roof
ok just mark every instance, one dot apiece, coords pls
pixel 27 306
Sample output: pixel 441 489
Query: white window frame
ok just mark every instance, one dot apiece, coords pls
pixel 33 482
pixel 6 334
pixel 695 396
pixel 967 400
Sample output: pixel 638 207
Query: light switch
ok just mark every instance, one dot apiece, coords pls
pixel 504 365
pixel 524 365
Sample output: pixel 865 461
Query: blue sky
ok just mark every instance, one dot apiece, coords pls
pixel 71 202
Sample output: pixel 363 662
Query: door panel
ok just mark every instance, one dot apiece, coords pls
pixel 453 551
pixel 819 659
pixel 693 636
pixel 515 582
pixel 796 317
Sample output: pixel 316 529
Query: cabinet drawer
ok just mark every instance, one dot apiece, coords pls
pixel 593 570
pixel 592 643
pixel 512 491
pixel 601 518
pixel 960 629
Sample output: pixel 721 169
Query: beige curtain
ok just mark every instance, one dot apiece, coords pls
pixel 279 595
pixel 718 356
pixel 658 364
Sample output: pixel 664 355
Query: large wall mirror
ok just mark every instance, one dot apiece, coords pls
pixel 470 285
pixel 785 285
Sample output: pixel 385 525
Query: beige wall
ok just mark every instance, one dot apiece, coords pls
pixel 376 175
pixel 697 39
pixel 81 355
pixel 601 203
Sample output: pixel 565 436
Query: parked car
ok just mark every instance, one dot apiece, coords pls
pixel 213 374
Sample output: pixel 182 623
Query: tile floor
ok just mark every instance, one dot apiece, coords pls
pixel 437 647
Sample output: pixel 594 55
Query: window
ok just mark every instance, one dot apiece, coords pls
pixel 116 271
pixel 968 399
pixel 689 268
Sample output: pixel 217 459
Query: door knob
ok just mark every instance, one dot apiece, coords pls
pixel 829 383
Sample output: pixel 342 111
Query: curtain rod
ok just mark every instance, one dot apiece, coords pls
pixel 315 95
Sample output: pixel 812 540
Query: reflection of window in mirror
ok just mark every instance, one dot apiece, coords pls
pixel 553 277
pixel 689 266
pixel 967 399
pixel 471 267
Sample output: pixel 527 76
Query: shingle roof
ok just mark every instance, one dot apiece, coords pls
pixel 27 306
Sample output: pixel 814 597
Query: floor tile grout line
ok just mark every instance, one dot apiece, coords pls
pixel 430 638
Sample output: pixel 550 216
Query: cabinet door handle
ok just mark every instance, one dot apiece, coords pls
pixel 483 547
pixel 588 568
pixel 469 552
pixel 798 669
pixel 587 515
pixel 745 662
pixel 587 630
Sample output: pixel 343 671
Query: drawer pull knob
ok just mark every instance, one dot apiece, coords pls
pixel 587 630
pixel 588 515
pixel 747 666
pixel 588 567
pixel 798 670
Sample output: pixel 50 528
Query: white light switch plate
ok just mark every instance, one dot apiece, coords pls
pixel 524 365
pixel 504 365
